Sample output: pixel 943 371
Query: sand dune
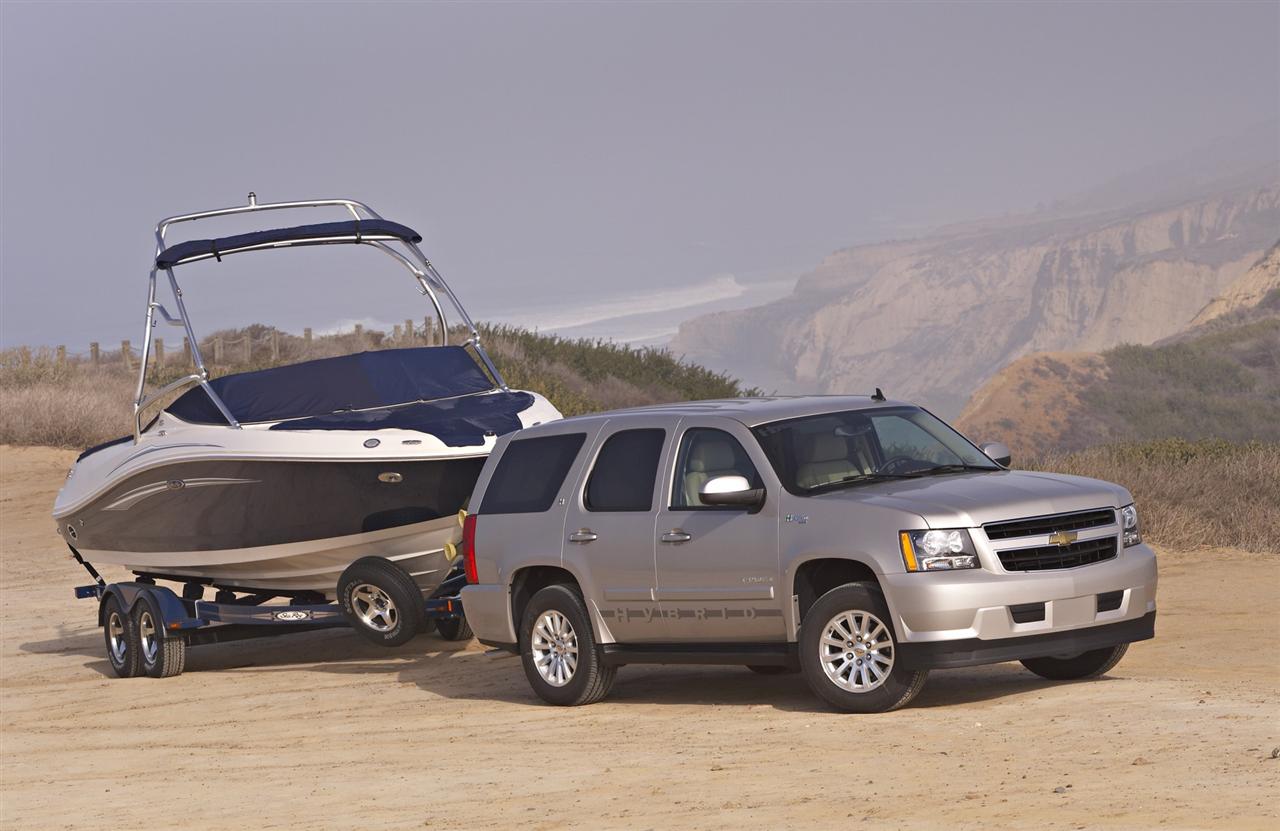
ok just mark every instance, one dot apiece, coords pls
pixel 322 730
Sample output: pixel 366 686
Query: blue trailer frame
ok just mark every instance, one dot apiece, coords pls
pixel 196 621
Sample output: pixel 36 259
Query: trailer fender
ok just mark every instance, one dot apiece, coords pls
pixel 170 605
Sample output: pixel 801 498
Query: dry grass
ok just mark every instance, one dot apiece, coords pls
pixel 1199 494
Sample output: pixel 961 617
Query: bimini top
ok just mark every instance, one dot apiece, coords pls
pixel 328 386
pixel 352 230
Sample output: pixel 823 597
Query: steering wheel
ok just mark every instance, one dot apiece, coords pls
pixel 894 465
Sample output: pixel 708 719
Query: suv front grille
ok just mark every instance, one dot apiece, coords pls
pixel 1045 557
pixel 1048 524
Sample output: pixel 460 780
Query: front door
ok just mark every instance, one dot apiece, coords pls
pixel 609 532
pixel 718 575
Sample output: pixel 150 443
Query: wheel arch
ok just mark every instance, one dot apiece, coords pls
pixel 814 576
pixel 528 580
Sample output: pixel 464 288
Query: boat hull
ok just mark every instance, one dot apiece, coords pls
pixel 277 525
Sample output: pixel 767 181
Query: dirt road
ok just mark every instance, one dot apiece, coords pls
pixel 321 730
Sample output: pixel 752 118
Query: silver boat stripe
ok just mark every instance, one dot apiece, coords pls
pixel 136 495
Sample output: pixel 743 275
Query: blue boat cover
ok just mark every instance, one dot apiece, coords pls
pixel 382 228
pixel 331 385
pixel 458 422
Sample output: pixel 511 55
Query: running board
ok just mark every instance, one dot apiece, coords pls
pixel 733 654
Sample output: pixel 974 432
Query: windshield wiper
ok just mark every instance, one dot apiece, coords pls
pixel 951 469
pixel 857 480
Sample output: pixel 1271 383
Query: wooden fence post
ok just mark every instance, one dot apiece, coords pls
pixel 126 353
pixel 408 332
pixel 306 336
pixel 62 356
pixel 93 353
pixel 248 348
pixel 395 333
pixel 275 345
pixel 360 333
pixel 427 328
pixel 217 350
pixel 159 351
pixel 186 352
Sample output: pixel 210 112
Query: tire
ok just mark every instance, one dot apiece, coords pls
pixel 1089 664
pixel 559 610
pixel 454 628
pixel 852 685
pixel 159 655
pixel 121 638
pixel 771 670
pixel 381 601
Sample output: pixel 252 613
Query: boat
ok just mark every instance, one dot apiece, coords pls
pixel 273 482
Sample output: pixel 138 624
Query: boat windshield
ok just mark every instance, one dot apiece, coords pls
pixel 834 450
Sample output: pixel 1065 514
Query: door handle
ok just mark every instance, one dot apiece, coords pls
pixel 583 535
pixel 676 535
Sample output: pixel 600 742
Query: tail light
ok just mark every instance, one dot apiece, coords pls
pixel 469 548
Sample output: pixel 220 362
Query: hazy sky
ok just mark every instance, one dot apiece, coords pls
pixel 577 154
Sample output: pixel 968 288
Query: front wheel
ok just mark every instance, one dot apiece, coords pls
pixel 1085 665
pixel 848 653
pixel 159 654
pixel 558 649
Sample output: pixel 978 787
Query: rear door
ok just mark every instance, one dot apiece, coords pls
pixel 718 575
pixel 609 530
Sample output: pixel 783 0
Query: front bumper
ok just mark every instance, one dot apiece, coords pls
pixel 965 617
pixel 972 651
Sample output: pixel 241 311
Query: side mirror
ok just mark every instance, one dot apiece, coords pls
pixel 997 452
pixel 731 490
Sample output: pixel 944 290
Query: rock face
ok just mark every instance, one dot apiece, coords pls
pixel 931 319
pixel 1248 291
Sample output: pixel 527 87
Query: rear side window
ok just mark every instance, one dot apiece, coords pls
pixel 530 473
pixel 625 470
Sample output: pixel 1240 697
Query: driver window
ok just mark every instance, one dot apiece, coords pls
pixel 706 453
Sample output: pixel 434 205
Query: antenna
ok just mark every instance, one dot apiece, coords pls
pixel 253 199
pixel 879 396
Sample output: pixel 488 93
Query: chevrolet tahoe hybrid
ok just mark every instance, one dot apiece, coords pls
pixel 860 541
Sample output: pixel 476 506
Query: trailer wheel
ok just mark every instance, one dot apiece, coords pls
pixel 160 655
pixel 381 601
pixel 121 638
pixel 454 628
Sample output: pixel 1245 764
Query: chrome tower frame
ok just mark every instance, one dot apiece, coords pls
pixel 411 257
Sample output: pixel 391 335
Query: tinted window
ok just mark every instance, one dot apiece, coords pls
pixel 705 454
pixel 623 477
pixel 530 473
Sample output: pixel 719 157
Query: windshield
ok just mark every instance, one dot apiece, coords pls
pixel 816 453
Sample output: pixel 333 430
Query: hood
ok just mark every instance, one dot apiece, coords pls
pixel 967 500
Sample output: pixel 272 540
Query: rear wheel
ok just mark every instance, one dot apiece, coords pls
pixel 121 638
pixel 454 628
pixel 381 601
pixel 159 655
pixel 849 655
pixel 1089 664
pixel 559 651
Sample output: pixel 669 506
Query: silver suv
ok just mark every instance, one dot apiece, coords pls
pixel 860 541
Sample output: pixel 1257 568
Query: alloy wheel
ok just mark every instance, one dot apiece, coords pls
pixel 555 648
pixel 856 651
pixel 374 607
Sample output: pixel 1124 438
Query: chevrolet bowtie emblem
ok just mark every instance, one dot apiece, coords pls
pixel 1062 538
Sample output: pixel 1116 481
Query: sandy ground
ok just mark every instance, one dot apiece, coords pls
pixel 322 730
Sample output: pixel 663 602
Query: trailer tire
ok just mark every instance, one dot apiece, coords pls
pixel 121 638
pixel 454 628
pixel 159 654
pixel 381 601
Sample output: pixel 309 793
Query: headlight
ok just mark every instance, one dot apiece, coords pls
pixel 1129 525
pixel 937 550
